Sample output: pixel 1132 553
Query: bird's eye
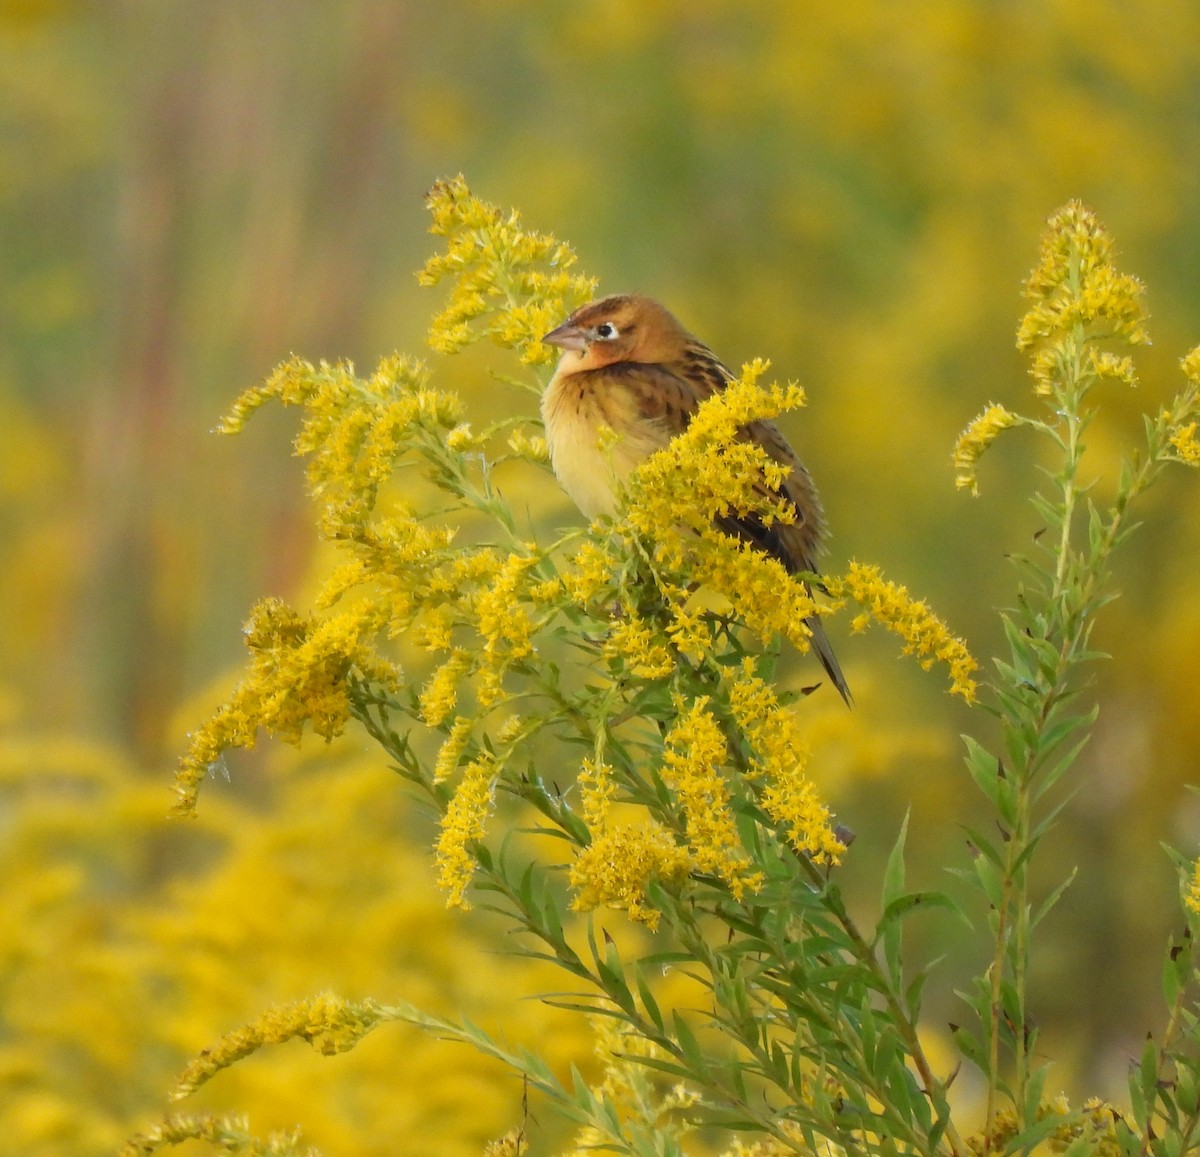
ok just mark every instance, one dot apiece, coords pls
pixel 606 331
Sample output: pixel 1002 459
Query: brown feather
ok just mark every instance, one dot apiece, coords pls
pixel 629 364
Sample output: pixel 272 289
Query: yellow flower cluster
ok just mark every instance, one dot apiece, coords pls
pixel 1079 295
pixel 453 746
pixel 924 634
pixel 225 1133
pixel 504 624
pixel 1191 897
pixel 616 868
pixel 708 472
pixel 465 824
pixel 354 429
pixel 621 860
pixel 329 1023
pixel 695 754
pixel 1183 442
pixel 1098 1130
pixel 1177 423
pixel 629 1094
pixel 779 756
pixel 299 676
pixel 1092 1130
pixel 980 433
pixel 510 285
pixel 512 1144
pixel 440 694
pixel 642 651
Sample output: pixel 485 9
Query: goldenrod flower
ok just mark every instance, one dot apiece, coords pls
pixel 1192 896
pixel 225 1132
pixel 980 433
pixel 449 754
pixel 300 676
pixel 463 825
pixel 615 869
pixel 354 429
pixel 440 694
pixel 779 756
pixel 1076 282
pixel 504 624
pixel 1079 296
pixel 590 573
pixel 1183 442
pixel 597 789
pixel 510 285
pixel 641 652
pixel 512 1144
pixel 924 634
pixel 694 756
pixel 532 447
pixel 329 1023
pixel 630 1096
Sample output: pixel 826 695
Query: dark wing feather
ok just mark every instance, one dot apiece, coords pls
pixel 667 395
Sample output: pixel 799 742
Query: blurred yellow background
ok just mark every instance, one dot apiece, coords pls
pixel 191 192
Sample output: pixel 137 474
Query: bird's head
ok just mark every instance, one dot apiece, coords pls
pixel 623 328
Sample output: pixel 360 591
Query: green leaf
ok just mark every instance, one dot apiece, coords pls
pixel 1054 735
pixel 1147 1077
pixel 689 1046
pixel 1049 902
pixel 968 1044
pixel 889 924
pixel 648 1001
pixel 983 766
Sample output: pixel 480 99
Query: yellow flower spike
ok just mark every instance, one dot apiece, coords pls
pixel 779 758
pixel 354 430
pixel 980 433
pixel 299 677
pixel 465 824
pixel 924 634
pixel 504 624
pixel 1183 442
pixel 1191 897
pixel 440 695
pixel 449 754
pixel 695 752
pixel 616 868
pixel 328 1023
pixel 631 641
pixel 510 285
pixel 1078 294
pixel 597 789
pixel 226 1133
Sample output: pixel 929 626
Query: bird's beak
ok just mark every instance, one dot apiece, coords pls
pixel 567 337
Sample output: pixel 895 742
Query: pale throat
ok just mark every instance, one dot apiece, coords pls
pixel 596 438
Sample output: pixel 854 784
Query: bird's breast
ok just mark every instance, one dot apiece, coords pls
pixel 596 437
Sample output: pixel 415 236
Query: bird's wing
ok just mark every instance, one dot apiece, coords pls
pixel 666 396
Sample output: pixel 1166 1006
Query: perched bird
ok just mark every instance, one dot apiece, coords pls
pixel 628 364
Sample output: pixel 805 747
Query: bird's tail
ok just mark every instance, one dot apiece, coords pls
pixel 820 644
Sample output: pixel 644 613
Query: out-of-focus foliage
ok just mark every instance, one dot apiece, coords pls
pixel 189 192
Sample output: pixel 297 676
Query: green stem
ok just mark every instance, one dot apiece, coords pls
pixel 934 1089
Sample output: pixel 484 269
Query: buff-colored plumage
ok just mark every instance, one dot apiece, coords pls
pixel 628 365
